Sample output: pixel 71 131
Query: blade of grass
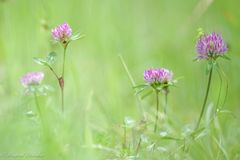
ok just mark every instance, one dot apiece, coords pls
pixel 140 107
pixel 222 149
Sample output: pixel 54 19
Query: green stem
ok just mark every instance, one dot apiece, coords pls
pixel 220 90
pixel 62 98
pixel 139 145
pixel 62 77
pixel 166 103
pixel 60 81
pixel 205 99
pixel 157 107
pixel 124 136
pixel 38 106
pixel 227 80
pixel 54 73
pixel 63 65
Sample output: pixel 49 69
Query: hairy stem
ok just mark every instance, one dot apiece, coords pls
pixel 206 96
pixel 157 107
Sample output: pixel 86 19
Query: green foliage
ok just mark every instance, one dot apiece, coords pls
pixel 38 89
pixel 51 58
pixel 77 36
pixel 48 61
pixel 146 33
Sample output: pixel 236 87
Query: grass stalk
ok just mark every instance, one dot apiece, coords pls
pixel 140 107
pixel 205 98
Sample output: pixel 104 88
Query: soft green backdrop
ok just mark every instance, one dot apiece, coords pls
pixel 147 33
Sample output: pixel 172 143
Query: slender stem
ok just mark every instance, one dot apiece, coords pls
pixel 54 73
pixel 61 79
pixel 227 81
pixel 139 145
pixel 124 137
pixel 205 99
pixel 64 55
pixel 62 97
pixel 140 107
pixel 157 107
pixel 220 90
pixel 166 103
pixel 38 106
pixel 63 65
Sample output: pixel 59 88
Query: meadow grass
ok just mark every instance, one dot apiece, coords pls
pixel 102 118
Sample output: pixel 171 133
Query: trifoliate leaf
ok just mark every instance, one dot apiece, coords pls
pixel 51 58
pixel 40 61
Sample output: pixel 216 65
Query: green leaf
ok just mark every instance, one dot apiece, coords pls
pixel 77 36
pixel 139 91
pixel 226 112
pixel 195 59
pixel 141 86
pixel 43 89
pixel 171 138
pixel 162 86
pixel 40 61
pixel 226 57
pixel 51 58
pixel 200 32
pixel 147 94
pixel 198 131
pixel 151 147
pixel 166 85
pixel 221 147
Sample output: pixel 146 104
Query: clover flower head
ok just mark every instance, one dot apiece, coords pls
pixel 158 76
pixel 62 33
pixel 210 46
pixel 32 78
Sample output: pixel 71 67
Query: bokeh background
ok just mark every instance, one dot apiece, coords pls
pixel 99 94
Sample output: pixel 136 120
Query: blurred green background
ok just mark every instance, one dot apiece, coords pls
pixel 99 94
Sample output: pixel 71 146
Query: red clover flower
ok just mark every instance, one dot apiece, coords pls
pixel 32 78
pixel 210 46
pixel 62 33
pixel 158 76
